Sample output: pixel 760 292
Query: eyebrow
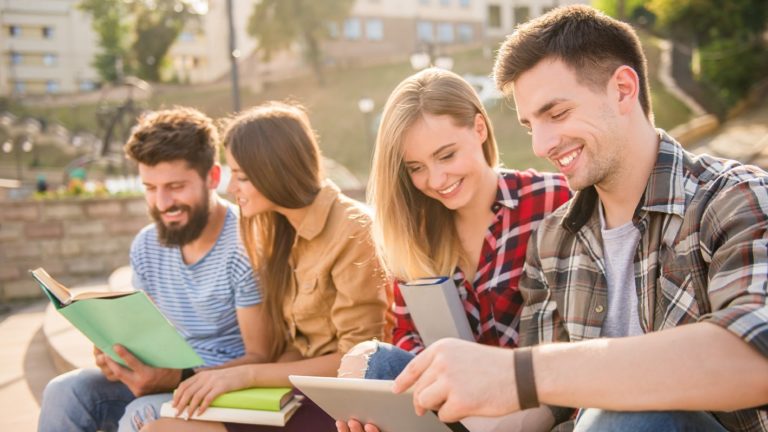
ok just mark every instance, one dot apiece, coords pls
pixel 435 153
pixel 544 108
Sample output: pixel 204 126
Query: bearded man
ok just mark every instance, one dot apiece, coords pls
pixel 192 265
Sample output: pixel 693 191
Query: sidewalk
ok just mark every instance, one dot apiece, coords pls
pixel 25 367
pixel 744 138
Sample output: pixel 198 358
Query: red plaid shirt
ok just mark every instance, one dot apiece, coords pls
pixel 492 301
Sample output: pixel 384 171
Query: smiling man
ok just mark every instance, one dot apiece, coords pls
pixel 192 265
pixel 646 296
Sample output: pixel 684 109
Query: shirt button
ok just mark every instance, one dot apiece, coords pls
pixel 496 207
pixel 599 308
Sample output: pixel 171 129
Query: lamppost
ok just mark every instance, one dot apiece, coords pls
pixel 366 105
pixel 19 139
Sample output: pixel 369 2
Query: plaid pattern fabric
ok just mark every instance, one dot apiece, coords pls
pixel 492 301
pixel 702 256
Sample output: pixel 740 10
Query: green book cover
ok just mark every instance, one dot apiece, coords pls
pixel 256 398
pixel 128 318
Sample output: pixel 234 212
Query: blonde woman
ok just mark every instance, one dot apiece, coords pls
pixel 323 288
pixel 443 206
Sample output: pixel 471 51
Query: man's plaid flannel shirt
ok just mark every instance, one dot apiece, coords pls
pixel 703 256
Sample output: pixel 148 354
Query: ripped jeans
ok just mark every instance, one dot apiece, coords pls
pixel 374 360
pixel 84 400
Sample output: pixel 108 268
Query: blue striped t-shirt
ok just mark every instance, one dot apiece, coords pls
pixel 199 299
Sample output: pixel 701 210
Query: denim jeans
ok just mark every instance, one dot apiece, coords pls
pixel 387 362
pixel 84 400
pixel 596 420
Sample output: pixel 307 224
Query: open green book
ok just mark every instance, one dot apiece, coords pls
pixel 128 318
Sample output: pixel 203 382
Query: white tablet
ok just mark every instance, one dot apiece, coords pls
pixel 369 401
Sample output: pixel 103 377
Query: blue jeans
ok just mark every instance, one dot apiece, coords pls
pixel 84 400
pixel 387 362
pixel 596 420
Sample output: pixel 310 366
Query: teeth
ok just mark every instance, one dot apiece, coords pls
pixel 565 161
pixel 173 213
pixel 450 188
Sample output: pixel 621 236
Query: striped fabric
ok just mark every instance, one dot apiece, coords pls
pixel 199 299
pixel 702 256
pixel 492 301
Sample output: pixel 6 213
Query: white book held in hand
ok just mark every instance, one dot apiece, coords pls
pixel 436 309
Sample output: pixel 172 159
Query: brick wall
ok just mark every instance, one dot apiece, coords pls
pixel 76 240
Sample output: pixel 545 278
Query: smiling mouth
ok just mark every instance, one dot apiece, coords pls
pixel 566 160
pixel 450 188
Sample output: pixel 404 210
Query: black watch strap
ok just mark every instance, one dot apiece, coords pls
pixel 186 373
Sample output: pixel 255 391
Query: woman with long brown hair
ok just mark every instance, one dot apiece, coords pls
pixel 324 290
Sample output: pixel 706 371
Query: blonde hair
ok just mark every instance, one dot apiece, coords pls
pixel 276 149
pixel 415 235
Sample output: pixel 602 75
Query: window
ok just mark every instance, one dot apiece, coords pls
pixel 465 32
pixel 16 58
pixel 445 32
pixel 352 29
pixel 51 86
pixel 374 29
pixel 494 16
pixel 464 3
pixel 87 85
pixel 48 32
pixel 49 59
pixel 186 36
pixel 333 30
pixel 14 31
pixel 424 31
pixel 521 14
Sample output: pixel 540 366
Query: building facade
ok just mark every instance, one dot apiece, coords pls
pixel 503 15
pixel 46 46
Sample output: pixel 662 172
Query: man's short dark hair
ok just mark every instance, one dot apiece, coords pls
pixel 175 134
pixel 586 40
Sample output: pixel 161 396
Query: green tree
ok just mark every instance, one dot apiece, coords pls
pixel 157 24
pixel 728 35
pixel 135 35
pixel 108 21
pixel 277 24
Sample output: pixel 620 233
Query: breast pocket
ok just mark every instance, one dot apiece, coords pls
pixel 313 297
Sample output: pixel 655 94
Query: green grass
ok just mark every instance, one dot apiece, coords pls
pixel 338 122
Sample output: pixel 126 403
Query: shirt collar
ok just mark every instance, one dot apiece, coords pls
pixel 507 192
pixel 664 192
pixel 317 216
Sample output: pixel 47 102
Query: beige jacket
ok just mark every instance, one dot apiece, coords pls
pixel 339 294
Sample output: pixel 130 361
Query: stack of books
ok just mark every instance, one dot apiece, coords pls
pixel 259 405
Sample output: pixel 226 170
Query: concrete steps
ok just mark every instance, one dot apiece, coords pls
pixel 25 367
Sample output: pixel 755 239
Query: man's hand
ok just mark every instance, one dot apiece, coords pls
pixel 140 378
pixel 197 392
pixel 101 361
pixel 460 379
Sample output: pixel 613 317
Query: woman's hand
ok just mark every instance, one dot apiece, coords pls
pixel 354 426
pixel 197 392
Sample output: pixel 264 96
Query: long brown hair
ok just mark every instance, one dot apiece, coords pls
pixel 276 149
pixel 416 235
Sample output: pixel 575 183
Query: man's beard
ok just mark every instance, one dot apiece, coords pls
pixel 180 235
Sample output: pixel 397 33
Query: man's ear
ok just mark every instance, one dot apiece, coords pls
pixel 214 176
pixel 626 83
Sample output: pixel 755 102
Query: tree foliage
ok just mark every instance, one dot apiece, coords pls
pixel 108 21
pixel 277 24
pixel 728 35
pixel 135 35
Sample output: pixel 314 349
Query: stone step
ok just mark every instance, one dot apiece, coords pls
pixel 25 367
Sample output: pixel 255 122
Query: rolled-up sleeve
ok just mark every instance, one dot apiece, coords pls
pixel 734 239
